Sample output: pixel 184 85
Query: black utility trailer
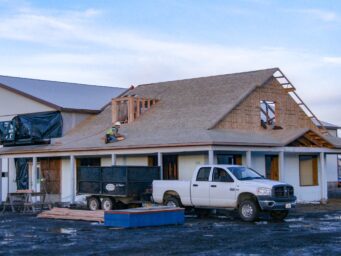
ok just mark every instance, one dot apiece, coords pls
pixel 116 186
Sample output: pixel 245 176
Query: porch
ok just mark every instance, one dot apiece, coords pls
pixel 304 168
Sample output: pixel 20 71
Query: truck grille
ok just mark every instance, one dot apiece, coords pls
pixel 283 191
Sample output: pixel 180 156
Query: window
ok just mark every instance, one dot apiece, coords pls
pixel 244 173
pixel 220 175
pixel 308 171
pixel 89 162
pixel 267 113
pixel 229 159
pixel 204 174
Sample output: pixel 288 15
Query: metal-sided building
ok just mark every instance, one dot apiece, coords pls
pixel 22 97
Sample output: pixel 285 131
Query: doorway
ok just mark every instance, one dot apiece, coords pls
pixel 271 167
pixel 170 167
pixel 51 174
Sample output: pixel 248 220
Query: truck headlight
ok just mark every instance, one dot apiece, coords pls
pixel 264 191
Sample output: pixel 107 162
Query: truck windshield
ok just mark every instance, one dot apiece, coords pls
pixel 244 173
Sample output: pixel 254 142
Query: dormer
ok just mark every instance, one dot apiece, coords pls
pixel 128 108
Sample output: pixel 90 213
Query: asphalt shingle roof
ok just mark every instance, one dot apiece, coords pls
pixel 185 115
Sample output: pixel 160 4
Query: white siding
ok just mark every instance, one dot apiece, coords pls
pixel 132 160
pixel 106 161
pixel 4 189
pixel 258 163
pixel 66 178
pixel 292 176
pixel 12 104
pixel 187 164
pixel 12 175
pixel 71 120
pixel 4 181
pixel 331 169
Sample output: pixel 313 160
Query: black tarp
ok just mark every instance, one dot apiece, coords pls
pixel 31 128
pixel 38 125
pixel 21 166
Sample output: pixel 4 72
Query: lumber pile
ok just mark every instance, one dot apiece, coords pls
pixel 68 214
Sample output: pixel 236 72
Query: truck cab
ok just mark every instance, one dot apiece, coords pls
pixel 228 186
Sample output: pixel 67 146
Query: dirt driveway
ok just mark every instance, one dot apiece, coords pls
pixel 308 230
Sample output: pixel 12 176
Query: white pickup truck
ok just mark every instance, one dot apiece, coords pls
pixel 228 186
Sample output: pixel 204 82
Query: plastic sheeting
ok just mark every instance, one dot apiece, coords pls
pixel 38 126
pixel 31 128
pixel 21 166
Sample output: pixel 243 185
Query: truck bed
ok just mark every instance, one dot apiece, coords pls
pixel 182 187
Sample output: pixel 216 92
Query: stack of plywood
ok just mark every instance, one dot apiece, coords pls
pixel 68 214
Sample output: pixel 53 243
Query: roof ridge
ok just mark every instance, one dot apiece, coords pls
pixel 200 77
pixel 54 81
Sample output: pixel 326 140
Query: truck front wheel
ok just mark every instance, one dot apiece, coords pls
pixel 248 210
pixel 93 203
pixel 279 215
pixel 172 201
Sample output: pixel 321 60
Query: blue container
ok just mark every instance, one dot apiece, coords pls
pixel 144 217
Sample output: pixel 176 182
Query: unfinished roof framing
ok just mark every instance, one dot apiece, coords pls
pixel 127 109
pixel 290 88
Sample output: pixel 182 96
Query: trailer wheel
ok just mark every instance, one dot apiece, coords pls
pixel 279 215
pixel 93 203
pixel 107 204
pixel 172 201
pixel 248 210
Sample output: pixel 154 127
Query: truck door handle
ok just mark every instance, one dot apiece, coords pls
pixel 232 189
pixel 195 185
pixel 213 186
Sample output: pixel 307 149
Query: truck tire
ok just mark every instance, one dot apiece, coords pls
pixel 248 210
pixel 172 201
pixel 93 203
pixel 279 215
pixel 107 204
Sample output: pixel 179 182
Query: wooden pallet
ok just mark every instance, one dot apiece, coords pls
pixel 68 214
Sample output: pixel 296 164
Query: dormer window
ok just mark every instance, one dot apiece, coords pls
pixel 127 109
pixel 267 113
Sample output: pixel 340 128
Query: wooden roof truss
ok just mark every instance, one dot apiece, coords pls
pixel 291 90
pixel 127 109
pixel 311 139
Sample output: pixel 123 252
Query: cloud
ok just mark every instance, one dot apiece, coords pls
pixel 323 15
pixel 78 49
pixel 332 60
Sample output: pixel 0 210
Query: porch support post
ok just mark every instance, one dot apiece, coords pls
pixel 34 174
pixel 248 159
pixel 210 156
pixel 73 178
pixel 159 163
pixel 1 160
pixel 113 159
pixel 324 187
pixel 281 163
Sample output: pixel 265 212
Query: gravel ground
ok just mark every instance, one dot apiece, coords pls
pixel 310 229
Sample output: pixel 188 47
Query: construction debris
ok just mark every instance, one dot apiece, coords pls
pixel 68 214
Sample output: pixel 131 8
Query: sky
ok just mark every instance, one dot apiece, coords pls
pixel 130 42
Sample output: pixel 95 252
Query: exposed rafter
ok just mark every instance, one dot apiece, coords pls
pixel 291 90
